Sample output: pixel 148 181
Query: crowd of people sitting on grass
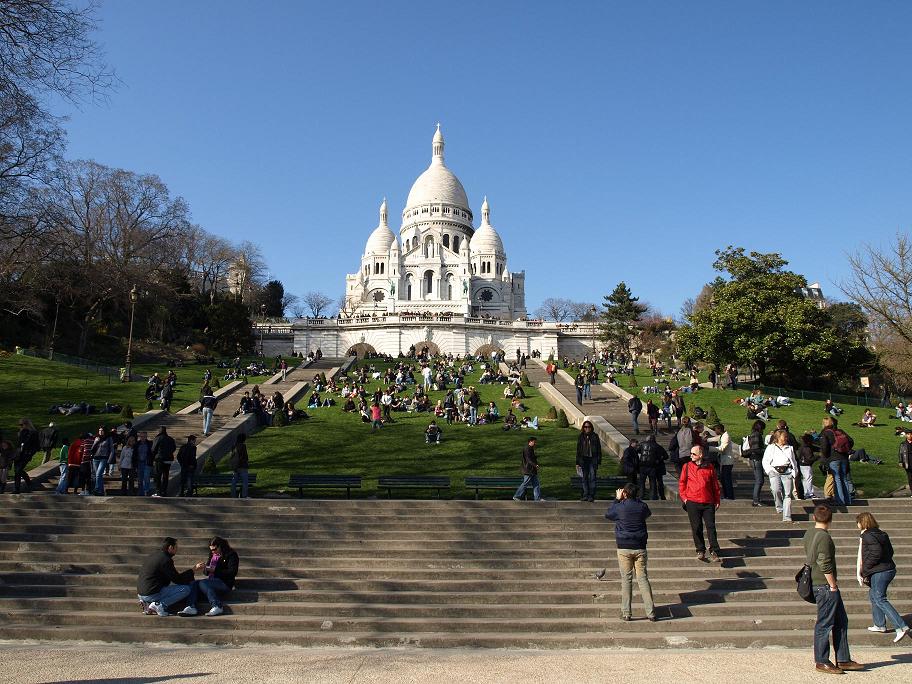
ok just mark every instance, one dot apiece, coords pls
pixel 405 386
pixel 269 407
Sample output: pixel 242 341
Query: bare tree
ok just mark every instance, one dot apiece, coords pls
pixel 583 311
pixel 555 309
pixel 881 283
pixel 46 46
pixel 120 227
pixel 316 302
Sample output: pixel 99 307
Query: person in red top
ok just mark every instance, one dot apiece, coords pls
pixel 699 491
pixel 74 462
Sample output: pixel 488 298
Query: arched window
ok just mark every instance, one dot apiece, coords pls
pixel 449 287
pixel 429 246
pixel 446 241
pixel 382 268
pixel 428 282
pixel 455 243
pixel 408 287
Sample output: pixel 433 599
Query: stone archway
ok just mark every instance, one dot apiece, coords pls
pixel 431 347
pixel 361 350
pixel 486 350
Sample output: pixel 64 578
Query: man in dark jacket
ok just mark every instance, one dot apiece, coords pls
pixel 629 515
pixel 163 448
pixel 159 584
pixel 630 462
pixel 634 406
pixel 530 473
pixel 588 459
pixel 47 440
pixel 652 459
pixel 186 458
pixel 905 457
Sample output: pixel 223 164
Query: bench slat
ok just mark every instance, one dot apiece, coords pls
pixel 390 482
pixel 325 481
pixel 478 482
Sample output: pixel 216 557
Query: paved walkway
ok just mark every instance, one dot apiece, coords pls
pixel 129 664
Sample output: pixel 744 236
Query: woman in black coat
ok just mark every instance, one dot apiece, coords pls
pixel 588 459
pixel 876 569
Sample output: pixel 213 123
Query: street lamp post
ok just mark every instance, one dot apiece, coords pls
pixel 134 296
pixel 592 312
pixel 262 326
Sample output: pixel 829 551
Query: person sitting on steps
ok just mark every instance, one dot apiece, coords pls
pixel 159 584
pixel 221 569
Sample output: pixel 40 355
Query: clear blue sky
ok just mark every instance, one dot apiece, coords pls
pixel 614 140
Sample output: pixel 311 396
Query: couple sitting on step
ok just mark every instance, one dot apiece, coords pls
pixel 160 585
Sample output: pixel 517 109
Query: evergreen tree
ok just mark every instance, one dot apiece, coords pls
pixel 621 312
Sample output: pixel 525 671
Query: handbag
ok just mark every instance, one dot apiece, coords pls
pixel 805 588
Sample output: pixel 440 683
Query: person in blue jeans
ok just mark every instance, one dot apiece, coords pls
pixel 834 452
pixel 820 554
pixel 239 463
pixel 159 584
pixel 221 569
pixel 877 569
pixel 102 449
pixel 530 473
pixel 143 453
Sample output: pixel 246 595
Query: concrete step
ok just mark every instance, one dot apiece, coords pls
pixel 445 573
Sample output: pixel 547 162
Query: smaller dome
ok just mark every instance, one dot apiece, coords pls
pixel 382 239
pixel 486 240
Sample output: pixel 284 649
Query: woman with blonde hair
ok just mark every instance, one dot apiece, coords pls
pixel 876 569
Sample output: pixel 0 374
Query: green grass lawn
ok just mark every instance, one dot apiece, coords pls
pixel 334 442
pixel 880 441
pixel 30 386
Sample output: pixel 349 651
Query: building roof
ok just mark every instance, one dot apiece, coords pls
pixel 382 239
pixel 486 240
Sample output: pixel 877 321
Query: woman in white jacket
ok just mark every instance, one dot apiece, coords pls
pixel 780 465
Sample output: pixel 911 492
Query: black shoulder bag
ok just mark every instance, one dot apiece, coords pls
pixel 805 587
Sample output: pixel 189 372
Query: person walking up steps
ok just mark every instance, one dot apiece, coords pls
pixel 588 459
pixel 208 404
pixel 530 473
pixel 634 406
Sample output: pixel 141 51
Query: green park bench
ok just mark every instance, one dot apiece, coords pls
pixel 347 482
pixel 609 483
pixel 218 481
pixel 391 482
pixel 477 483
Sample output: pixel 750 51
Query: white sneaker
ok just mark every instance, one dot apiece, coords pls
pixel 900 633
pixel 159 609
pixel 215 610
pixel 189 610
pixel 875 628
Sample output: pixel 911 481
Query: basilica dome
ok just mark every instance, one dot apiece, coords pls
pixel 382 239
pixel 437 184
pixel 486 240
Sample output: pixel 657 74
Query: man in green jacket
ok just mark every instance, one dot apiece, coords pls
pixel 820 552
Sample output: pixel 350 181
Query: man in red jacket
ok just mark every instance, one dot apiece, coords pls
pixel 699 491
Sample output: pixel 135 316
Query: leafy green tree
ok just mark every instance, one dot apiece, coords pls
pixel 758 315
pixel 621 311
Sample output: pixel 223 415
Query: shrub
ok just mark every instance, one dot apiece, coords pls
pixel 215 384
pixel 550 357
pixel 552 413
pixel 279 419
pixel 126 413
pixel 524 380
pixel 209 465
pixel 562 419
pixel 712 418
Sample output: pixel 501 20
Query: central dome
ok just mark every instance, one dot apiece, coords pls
pixel 437 183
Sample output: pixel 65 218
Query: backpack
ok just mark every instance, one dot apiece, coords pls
pixel 646 455
pixel 745 447
pixel 699 413
pixel 842 442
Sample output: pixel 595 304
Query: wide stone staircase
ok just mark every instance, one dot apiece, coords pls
pixel 423 573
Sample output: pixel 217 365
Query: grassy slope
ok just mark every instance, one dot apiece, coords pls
pixel 879 441
pixel 30 386
pixel 334 442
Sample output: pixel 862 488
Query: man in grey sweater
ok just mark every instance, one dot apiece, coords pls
pixel 820 552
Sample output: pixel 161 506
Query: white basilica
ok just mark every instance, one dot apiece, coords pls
pixel 440 264
pixel 442 285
